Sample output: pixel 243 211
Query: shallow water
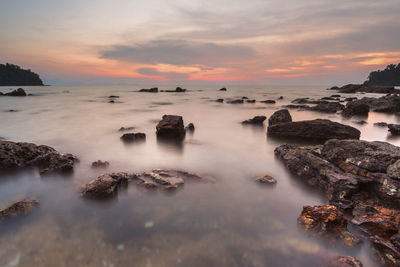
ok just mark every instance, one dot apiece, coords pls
pixel 232 222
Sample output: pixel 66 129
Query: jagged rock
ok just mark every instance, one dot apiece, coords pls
pixel 318 130
pixel 280 116
pixel 18 92
pixel 21 207
pixel 171 126
pixel 255 120
pixel 355 108
pixel 190 127
pixel 100 164
pixel 222 89
pixel 266 179
pixel 327 221
pixel 268 101
pixel 133 137
pixel 151 90
pixel 107 185
pixel 344 261
pixel 46 159
pixel 394 129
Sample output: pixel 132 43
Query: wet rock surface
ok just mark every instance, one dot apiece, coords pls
pixel 17 92
pixel 151 90
pixel 190 127
pixel 327 107
pixel 20 207
pixel 355 88
pixel 268 101
pixel 394 129
pixel 385 104
pixel 318 130
pixel 359 177
pixel 280 116
pixel 171 126
pixel 133 137
pixel 46 159
pixel 256 120
pixel 100 164
pixel 107 185
pixel 237 101
pixel 266 180
pixel 355 108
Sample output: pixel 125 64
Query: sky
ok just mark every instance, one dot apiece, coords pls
pixel 221 42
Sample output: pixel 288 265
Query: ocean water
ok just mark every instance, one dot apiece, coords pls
pixel 232 222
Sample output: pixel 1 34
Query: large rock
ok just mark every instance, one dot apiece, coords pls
pixel 327 221
pixel 355 88
pixel 355 108
pixel 280 116
pixel 20 207
pixel 46 159
pixel 171 126
pixel 256 120
pixel 386 104
pixel 318 130
pixel 107 185
pixel 18 92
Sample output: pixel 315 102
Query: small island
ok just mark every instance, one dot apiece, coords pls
pixel 387 77
pixel 13 75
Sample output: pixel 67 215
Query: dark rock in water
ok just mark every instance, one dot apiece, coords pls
pixel 344 261
pixel 381 124
pixel 280 98
pixel 349 99
pixel 327 107
pixel 266 179
pixel 306 100
pixel 268 101
pixel 107 185
pixel 18 92
pixel 335 95
pixel 46 159
pixel 255 120
pixel 100 164
pixel 113 96
pixel 171 126
pixel 297 106
pixel 250 101
pixel 19 208
pixel 133 137
pixel 328 98
pixel 123 129
pixel 151 90
pixel 355 88
pixel 387 104
pixel 360 122
pixel 318 130
pixel 328 222
pixel 237 101
pixel 393 171
pixel 111 101
pixel 280 116
pixel 245 97
pixel 222 89
pixel 355 108
pixel 220 100
pixel 394 129
pixel 177 90
pixel 189 127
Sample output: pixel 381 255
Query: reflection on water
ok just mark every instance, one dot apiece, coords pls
pixel 233 222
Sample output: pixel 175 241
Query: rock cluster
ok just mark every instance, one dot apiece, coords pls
pixel 18 92
pixel 356 88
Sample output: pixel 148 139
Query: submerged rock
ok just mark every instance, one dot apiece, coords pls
pixel 327 107
pixel 251 101
pixel 381 124
pixel 237 101
pixel 100 164
pixel 268 101
pixel 255 120
pixel 266 179
pixel 220 100
pixel 355 108
pixel 344 261
pixel 280 116
pixel 190 127
pixel 18 92
pixel 318 130
pixel 21 207
pixel 107 185
pixel 151 90
pixel 133 137
pixel 327 221
pixel 177 90
pixel 123 129
pixel 171 126
pixel 394 129
pixel 46 159
pixel 222 89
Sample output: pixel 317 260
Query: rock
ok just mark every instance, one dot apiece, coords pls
pixel 296 106
pixel 250 101
pixel 177 90
pixel 255 120
pixel 190 127
pixel 328 222
pixel 318 130
pixel 268 101
pixel 111 101
pixel 393 170
pixel 113 96
pixel 280 116
pixel 220 100
pixel 280 98
pixel 245 97
pixel 237 101
pixel 18 92
pixel 151 90
pixel 381 124
pixel 386 104
pixel 171 126
pixel 46 159
pixel 344 261
pixel 306 100
pixel 328 98
pixel 360 122
pixel 123 129
pixel 266 179
pixel 133 137
pixel 222 89
pixel 355 108
pixel 327 107
pixel 100 164
pixel 350 99
pixel 21 207
pixel 355 88
pixel 107 185
pixel 394 129
pixel 335 95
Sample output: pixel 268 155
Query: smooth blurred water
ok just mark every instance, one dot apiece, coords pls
pixel 233 222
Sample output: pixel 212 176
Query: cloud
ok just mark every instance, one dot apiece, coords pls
pixel 166 75
pixel 180 52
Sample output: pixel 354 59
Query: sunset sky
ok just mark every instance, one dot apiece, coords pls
pixel 219 41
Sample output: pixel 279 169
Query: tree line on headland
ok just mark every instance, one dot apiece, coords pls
pixel 13 75
pixel 388 77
